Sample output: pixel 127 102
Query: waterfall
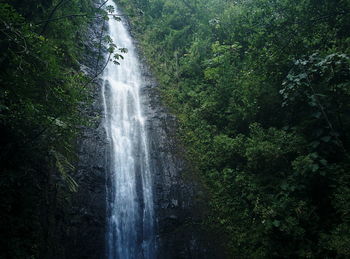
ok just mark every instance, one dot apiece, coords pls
pixel 130 223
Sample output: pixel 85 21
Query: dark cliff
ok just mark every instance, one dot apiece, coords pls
pixel 173 193
pixel 86 230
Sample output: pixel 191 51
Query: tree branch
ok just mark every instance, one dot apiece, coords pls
pixel 51 15
pixel 99 73
pixel 62 17
pixel 98 8
pixel 100 46
pixel 75 15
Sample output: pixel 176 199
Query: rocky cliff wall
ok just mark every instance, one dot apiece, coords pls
pixel 175 190
pixel 87 226
pixel 173 194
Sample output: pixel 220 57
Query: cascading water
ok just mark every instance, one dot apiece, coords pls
pixel 130 230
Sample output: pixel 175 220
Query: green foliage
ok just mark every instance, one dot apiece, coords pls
pixel 41 93
pixel 64 167
pixel 261 92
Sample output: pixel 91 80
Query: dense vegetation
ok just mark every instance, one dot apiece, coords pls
pixel 261 90
pixel 42 90
pixel 262 94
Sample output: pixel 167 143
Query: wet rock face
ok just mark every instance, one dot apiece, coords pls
pixel 86 230
pixel 89 208
pixel 173 193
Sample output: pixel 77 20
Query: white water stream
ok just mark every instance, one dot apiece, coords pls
pixel 130 228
